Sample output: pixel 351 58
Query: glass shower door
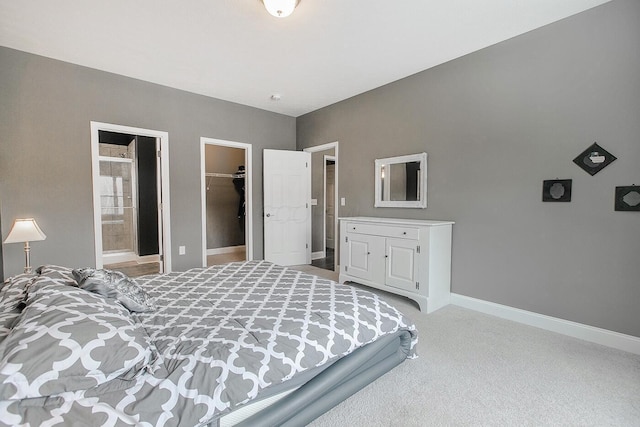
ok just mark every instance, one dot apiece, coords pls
pixel 117 206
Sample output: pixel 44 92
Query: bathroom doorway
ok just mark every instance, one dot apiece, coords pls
pixel 129 191
pixel 324 203
pixel 330 210
pixel 226 201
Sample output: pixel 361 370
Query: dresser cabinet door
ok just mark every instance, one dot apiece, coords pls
pixel 365 256
pixel 402 264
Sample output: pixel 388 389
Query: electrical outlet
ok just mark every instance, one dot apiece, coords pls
pixel 182 250
pixel 343 201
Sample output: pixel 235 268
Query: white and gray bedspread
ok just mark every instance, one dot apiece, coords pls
pixel 219 338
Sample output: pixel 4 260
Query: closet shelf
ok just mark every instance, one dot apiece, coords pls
pixel 224 175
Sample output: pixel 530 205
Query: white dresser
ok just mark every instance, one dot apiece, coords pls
pixel 403 256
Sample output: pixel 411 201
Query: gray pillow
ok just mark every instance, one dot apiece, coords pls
pixel 13 293
pixel 62 275
pixel 67 340
pixel 116 285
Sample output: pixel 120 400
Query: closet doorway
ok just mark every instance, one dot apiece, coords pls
pixel 226 201
pixel 130 192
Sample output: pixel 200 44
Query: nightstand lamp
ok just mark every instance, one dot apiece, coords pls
pixel 25 230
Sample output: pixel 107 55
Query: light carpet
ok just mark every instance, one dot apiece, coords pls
pixel 479 370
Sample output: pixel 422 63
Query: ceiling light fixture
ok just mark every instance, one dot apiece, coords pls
pixel 280 8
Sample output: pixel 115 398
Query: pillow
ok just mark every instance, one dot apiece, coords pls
pixel 12 290
pixel 12 295
pixel 67 339
pixel 61 274
pixel 114 284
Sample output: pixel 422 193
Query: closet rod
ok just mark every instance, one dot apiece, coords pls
pixel 224 175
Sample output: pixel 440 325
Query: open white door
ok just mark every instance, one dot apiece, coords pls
pixel 287 213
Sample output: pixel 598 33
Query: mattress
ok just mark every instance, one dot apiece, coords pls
pixel 219 339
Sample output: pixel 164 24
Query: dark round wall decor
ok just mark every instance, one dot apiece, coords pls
pixel 628 198
pixel 556 190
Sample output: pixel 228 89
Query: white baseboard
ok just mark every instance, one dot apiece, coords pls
pixel 318 255
pixel 227 250
pixel 577 330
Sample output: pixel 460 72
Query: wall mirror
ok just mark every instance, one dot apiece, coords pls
pixel 401 182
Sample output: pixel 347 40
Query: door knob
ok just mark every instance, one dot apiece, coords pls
pixel 268 215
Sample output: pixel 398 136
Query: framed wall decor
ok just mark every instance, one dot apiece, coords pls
pixel 556 190
pixel 628 198
pixel 594 159
pixel 401 182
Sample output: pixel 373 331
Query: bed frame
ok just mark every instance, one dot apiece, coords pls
pixel 331 386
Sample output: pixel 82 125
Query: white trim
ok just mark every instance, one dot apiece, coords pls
pixel 248 193
pixel 227 250
pixel 165 248
pixel 318 255
pixel 323 147
pixel 335 145
pixel 577 330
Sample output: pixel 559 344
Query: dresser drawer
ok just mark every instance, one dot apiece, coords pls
pixel 383 230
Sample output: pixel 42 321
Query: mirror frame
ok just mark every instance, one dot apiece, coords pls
pixel 422 202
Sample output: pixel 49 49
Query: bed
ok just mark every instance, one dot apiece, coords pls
pixel 246 344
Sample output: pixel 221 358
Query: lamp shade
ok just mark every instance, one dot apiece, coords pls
pixel 25 230
pixel 280 8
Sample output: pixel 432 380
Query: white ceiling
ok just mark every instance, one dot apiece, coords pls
pixel 327 51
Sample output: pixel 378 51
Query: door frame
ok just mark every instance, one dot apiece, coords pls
pixel 163 190
pixel 248 193
pixel 324 147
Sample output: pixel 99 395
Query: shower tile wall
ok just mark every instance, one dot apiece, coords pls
pixel 118 233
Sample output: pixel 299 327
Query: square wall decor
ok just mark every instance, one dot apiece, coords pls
pixel 628 198
pixel 594 159
pixel 556 190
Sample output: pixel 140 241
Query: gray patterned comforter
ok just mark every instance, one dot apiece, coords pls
pixel 219 338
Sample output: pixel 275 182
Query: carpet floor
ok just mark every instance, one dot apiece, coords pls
pixel 479 370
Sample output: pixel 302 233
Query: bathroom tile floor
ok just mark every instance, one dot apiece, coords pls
pixel 133 269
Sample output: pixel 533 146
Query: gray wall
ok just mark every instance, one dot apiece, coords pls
pixel 495 124
pixel 45 158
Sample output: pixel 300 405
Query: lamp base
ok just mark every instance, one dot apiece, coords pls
pixel 27 258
